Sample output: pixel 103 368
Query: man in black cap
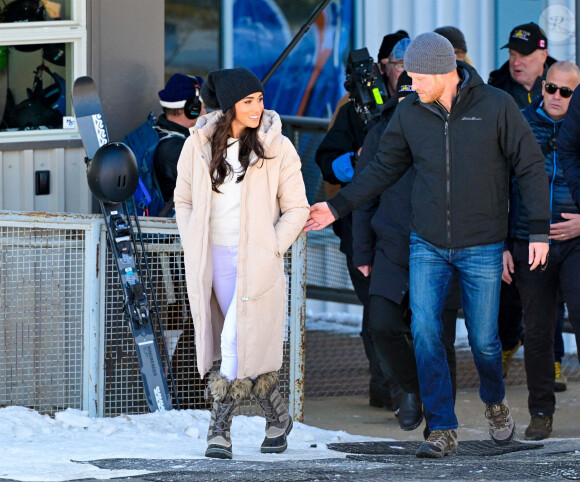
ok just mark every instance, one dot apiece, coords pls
pixel 522 75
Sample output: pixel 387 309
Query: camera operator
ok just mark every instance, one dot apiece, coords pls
pixel 336 157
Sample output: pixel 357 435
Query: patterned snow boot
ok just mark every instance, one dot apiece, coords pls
pixel 278 420
pixel 226 398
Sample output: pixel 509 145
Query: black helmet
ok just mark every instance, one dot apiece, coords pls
pixel 112 174
pixel 22 11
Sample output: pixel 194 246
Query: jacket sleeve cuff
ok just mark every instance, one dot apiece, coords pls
pixel 539 238
pixel 339 206
pixel 332 210
pixel 540 227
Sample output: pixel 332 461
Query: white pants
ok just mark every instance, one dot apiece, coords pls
pixel 225 270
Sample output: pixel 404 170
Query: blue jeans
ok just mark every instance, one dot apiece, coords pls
pixel 431 270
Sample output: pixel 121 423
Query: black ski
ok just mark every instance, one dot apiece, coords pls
pixel 121 236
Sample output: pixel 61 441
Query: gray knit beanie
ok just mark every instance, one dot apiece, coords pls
pixel 430 53
pixel 225 87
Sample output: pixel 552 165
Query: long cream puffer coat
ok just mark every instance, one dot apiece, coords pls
pixel 270 187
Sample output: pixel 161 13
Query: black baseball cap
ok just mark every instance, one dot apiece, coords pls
pixel 527 38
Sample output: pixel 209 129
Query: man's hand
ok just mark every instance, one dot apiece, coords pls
pixel 320 217
pixel 508 267
pixel 366 270
pixel 566 229
pixel 538 255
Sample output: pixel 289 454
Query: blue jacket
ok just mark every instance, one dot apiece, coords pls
pixel 546 131
pixel 569 146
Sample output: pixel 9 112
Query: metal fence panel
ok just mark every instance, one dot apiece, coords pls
pixel 65 342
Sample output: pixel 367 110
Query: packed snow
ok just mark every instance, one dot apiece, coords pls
pixel 40 448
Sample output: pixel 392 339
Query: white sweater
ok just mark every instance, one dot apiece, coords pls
pixel 225 205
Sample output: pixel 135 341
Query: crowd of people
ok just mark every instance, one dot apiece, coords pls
pixel 463 194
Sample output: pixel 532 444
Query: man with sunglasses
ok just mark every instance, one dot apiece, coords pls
pixel 539 289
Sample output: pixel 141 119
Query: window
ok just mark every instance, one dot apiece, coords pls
pixel 42 51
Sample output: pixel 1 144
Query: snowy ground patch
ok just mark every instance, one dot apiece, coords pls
pixel 40 448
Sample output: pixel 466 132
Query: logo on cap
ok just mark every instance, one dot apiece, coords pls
pixel 542 44
pixel 521 34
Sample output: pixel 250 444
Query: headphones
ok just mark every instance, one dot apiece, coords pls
pixel 192 107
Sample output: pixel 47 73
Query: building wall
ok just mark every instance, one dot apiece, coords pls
pixel 125 56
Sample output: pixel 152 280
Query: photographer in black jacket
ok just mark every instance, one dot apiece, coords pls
pixel 336 158
pixel 459 136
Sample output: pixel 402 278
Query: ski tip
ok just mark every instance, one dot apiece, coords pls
pixel 83 81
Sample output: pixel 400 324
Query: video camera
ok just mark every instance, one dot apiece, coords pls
pixel 365 85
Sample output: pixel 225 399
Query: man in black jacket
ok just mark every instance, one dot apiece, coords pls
pixel 539 290
pixel 380 242
pixel 459 136
pixel 522 75
pixel 182 106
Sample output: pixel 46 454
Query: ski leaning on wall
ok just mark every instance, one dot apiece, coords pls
pixel 110 177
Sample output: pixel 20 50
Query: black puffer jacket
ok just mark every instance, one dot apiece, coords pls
pixel 346 135
pixel 171 139
pixel 546 131
pixel 380 229
pixel 569 146
pixel 501 79
pixel 461 164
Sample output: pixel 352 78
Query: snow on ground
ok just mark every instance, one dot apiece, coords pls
pixel 40 448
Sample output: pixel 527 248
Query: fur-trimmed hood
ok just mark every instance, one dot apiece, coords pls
pixel 270 127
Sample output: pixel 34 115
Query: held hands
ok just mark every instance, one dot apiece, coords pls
pixel 538 255
pixel 320 217
pixel 567 229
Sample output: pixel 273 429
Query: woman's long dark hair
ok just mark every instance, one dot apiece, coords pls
pixel 219 168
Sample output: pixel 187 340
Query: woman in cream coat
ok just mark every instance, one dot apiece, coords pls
pixel 240 202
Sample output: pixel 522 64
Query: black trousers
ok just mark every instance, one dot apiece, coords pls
pixel 510 316
pixel 539 293
pixel 380 385
pixel 390 325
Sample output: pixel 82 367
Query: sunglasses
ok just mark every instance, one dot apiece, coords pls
pixel 564 91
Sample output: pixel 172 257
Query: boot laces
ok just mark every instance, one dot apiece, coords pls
pixel 223 412
pixel 497 414
pixel 269 411
pixel 440 438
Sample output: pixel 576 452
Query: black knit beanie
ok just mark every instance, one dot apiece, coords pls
pixel 225 87
pixel 389 41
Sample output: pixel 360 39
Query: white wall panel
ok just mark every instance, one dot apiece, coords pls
pixel 475 18
pixel 69 191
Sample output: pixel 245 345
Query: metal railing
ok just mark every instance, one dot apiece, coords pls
pixel 65 342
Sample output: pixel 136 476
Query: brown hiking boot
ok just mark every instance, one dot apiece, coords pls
pixel 440 443
pixel 539 428
pixel 501 425
pixel 226 398
pixel 278 420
